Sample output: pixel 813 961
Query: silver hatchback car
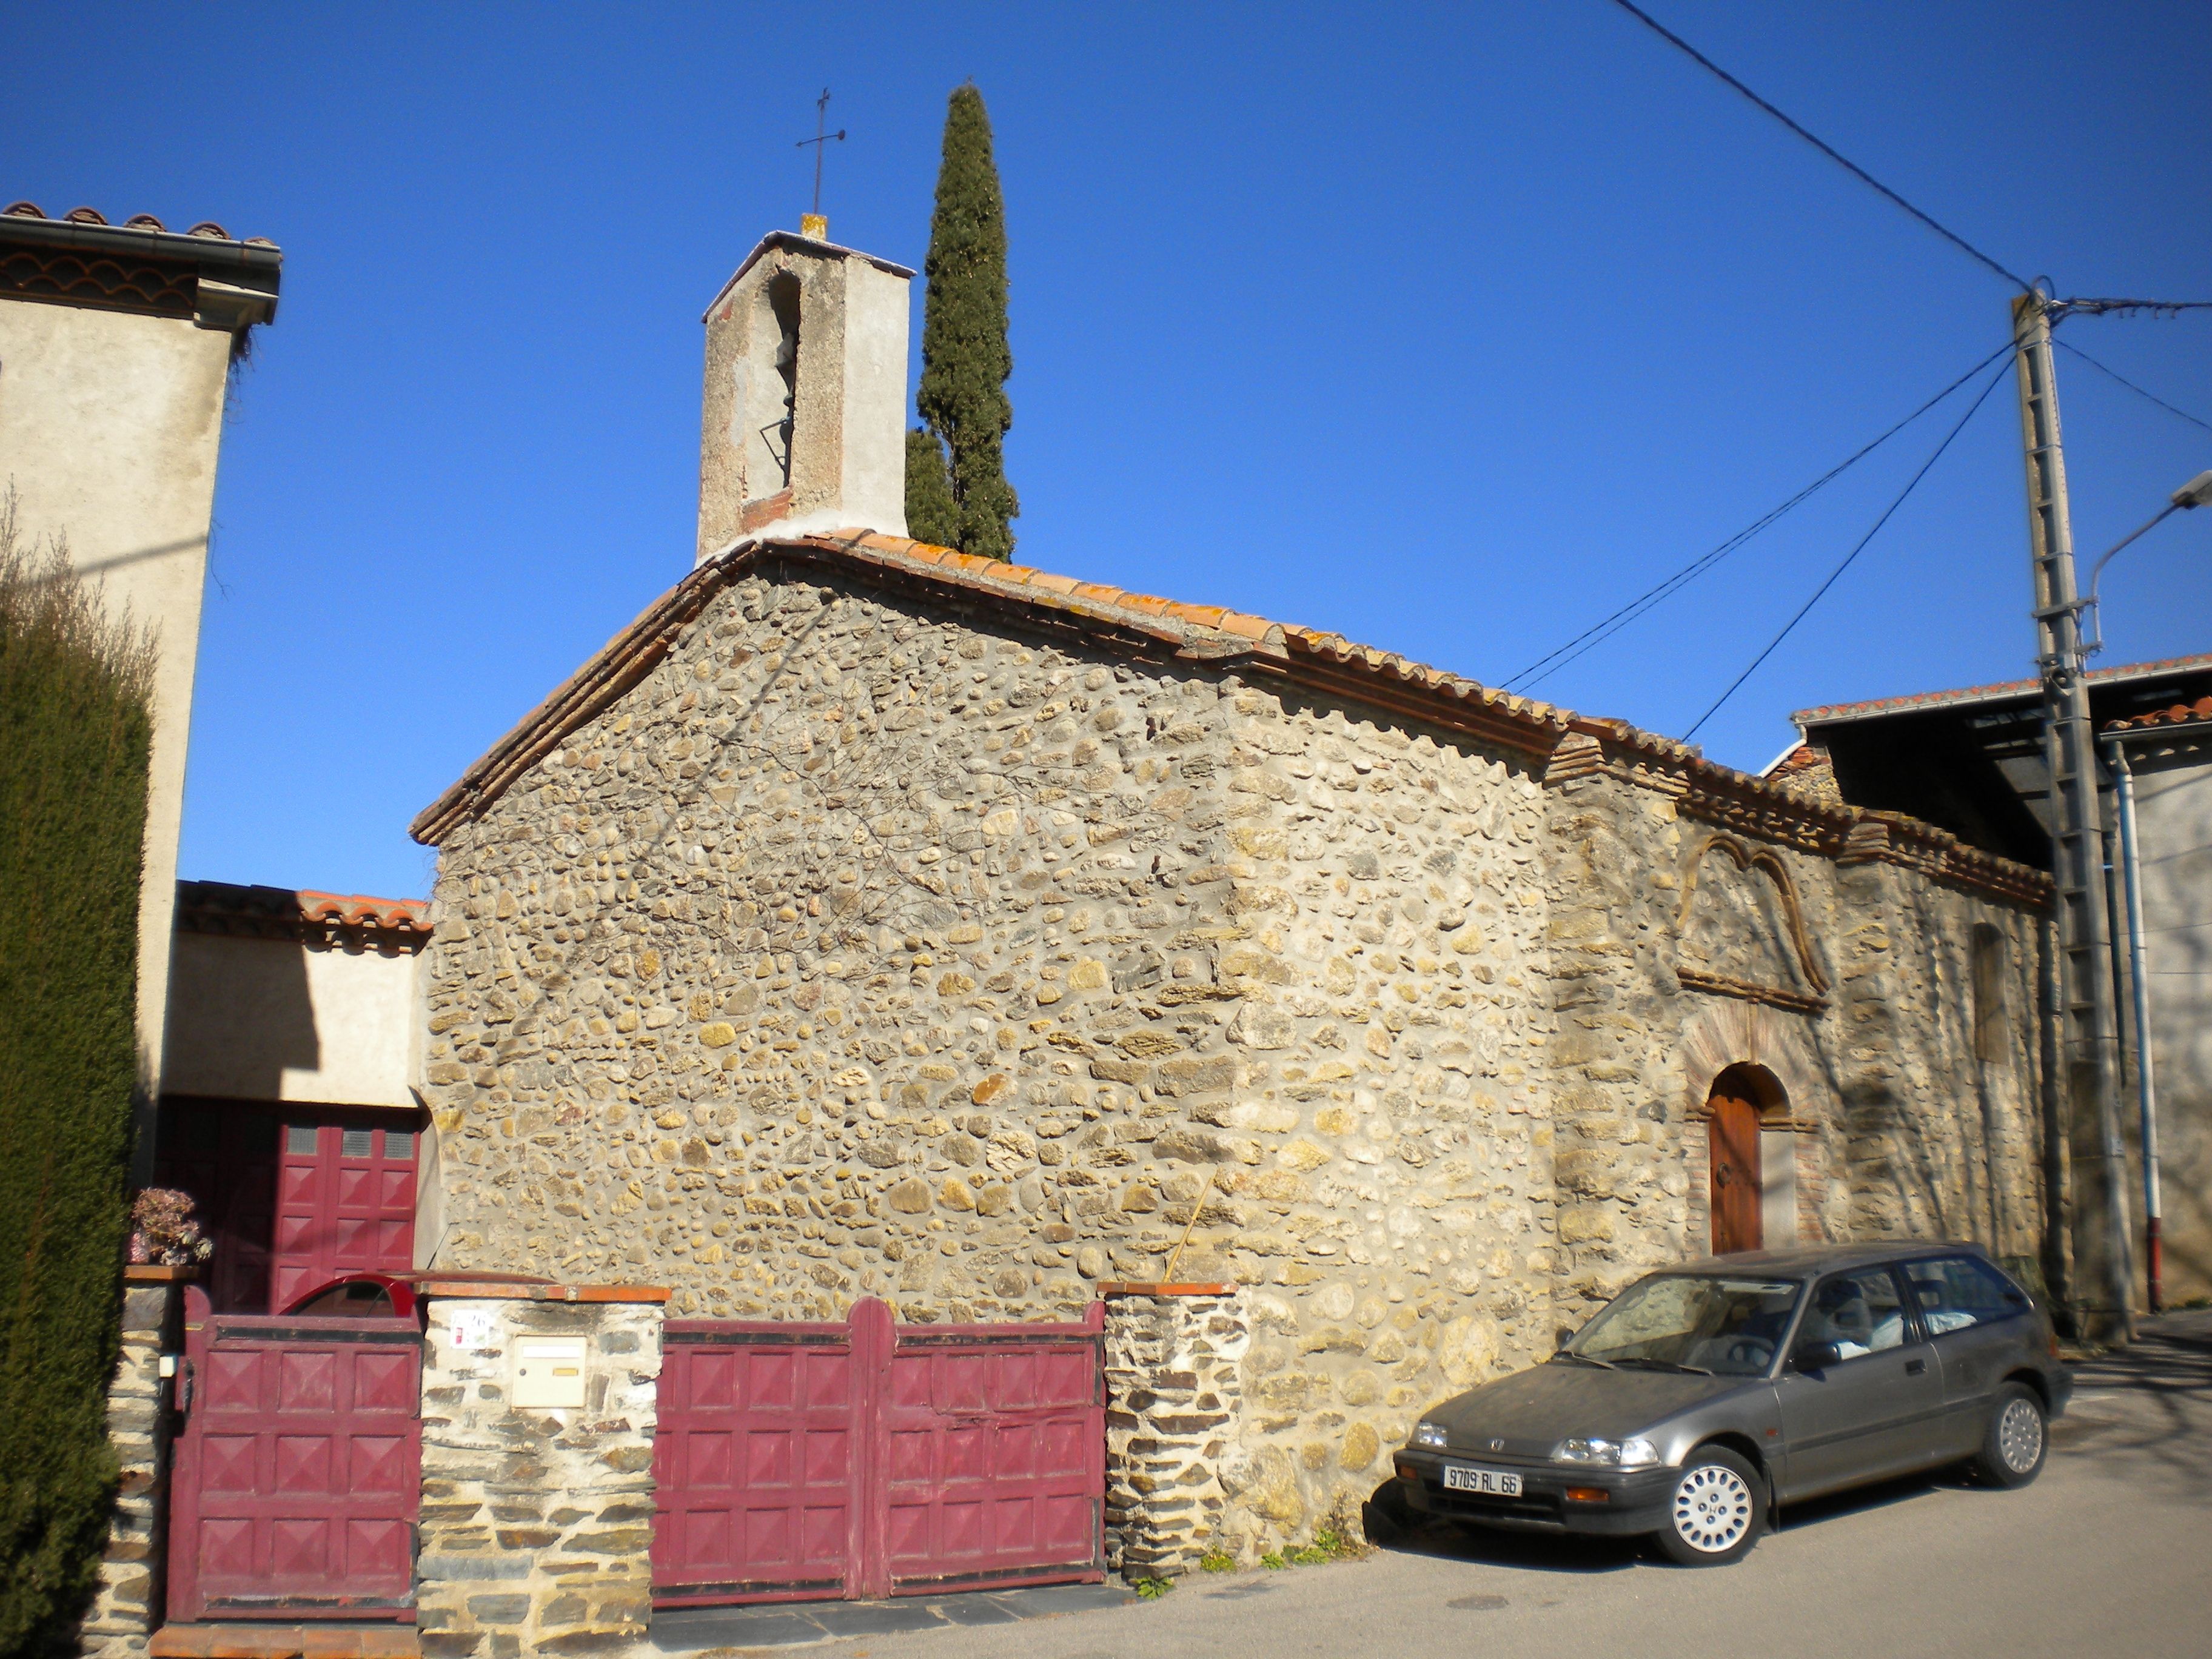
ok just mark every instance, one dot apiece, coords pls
pixel 1703 1396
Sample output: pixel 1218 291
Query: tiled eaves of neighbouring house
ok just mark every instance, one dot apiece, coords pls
pixel 2174 717
pixel 1141 628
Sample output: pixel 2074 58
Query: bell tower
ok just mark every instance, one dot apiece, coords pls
pixel 802 420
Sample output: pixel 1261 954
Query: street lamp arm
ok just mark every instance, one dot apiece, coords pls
pixel 2196 493
pixel 2097 571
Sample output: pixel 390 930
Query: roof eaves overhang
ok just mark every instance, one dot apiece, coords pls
pixel 2134 731
pixel 2004 694
pixel 254 268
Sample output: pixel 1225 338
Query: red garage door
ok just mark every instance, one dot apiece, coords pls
pixel 292 1195
pixel 870 1458
pixel 299 1467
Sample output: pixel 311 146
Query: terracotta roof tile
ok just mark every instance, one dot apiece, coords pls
pixel 2180 713
pixel 89 215
pixel 222 907
pixel 1251 627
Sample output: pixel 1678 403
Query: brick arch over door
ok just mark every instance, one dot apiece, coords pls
pixel 1726 1032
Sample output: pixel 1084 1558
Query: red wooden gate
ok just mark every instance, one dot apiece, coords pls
pixel 299 1466
pixel 800 1462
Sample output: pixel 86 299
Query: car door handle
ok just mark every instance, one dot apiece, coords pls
pixel 1915 1367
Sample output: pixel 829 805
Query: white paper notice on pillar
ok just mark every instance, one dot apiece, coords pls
pixel 475 1328
pixel 548 1373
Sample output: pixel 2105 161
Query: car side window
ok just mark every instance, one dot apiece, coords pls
pixel 1854 1314
pixel 1956 1292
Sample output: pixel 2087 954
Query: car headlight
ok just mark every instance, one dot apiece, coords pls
pixel 1432 1435
pixel 1595 1453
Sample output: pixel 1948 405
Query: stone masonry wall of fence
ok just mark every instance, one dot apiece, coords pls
pixel 536 1534
pixel 127 1605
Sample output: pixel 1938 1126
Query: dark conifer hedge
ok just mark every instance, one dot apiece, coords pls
pixel 74 724
pixel 965 359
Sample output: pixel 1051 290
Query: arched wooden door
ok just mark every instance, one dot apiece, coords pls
pixel 1734 1127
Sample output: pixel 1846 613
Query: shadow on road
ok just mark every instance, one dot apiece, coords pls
pixel 1536 1552
pixel 1533 1552
pixel 2146 1410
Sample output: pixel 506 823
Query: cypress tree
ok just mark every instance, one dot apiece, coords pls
pixel 930 514
pixel 965 359
pixel 74 727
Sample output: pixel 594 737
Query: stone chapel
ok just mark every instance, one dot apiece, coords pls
pixel 869 920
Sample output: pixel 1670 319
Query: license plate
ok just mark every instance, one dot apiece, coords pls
pixel 1499 1483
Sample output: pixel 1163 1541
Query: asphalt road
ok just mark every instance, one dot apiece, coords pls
pixel 2109 1552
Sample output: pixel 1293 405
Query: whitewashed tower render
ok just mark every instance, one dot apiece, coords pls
pixel 802 423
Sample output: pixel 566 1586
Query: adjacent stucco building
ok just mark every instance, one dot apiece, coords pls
pixel 1973 760
pixel 2168 754
pixel 116 349
pixel 288 1110
pixel 867 919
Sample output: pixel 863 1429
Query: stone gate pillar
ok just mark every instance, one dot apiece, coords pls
pixel 1174 1405
pixel 539 1403
pixel 127 1606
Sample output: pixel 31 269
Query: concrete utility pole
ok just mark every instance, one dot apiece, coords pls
pixel 2104 1279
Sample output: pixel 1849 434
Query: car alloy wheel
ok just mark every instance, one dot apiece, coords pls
pixel 2015 1442
pixel 1712 1508
pixel 1716 1510
pixel 2019 1436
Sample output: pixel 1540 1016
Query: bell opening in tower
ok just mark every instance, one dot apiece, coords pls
pixel 783 303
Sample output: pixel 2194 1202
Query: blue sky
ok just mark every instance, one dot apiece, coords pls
pixel 1449 328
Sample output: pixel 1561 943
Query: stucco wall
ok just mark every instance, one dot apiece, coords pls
pixel 858 950
pixel 274 1019
pixel 109 427
pixel 2173 817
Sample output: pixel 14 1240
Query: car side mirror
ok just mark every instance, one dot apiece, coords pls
pixel 1814 1356
pixel 1564 1335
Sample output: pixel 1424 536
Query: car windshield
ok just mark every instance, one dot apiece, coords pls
pixel 1691 1321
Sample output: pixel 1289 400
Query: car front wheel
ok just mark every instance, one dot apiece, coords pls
pixel 1715 1511
pixel 2016 1442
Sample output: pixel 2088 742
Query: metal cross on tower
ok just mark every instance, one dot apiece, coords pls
pixel 821 140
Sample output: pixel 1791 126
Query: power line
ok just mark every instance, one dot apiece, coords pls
pixel 2115 374
pixel 1834 575
pixel 1545 666
pixel 1828 151
pixel 2128 307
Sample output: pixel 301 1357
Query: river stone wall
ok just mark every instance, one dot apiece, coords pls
pixel 862 950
